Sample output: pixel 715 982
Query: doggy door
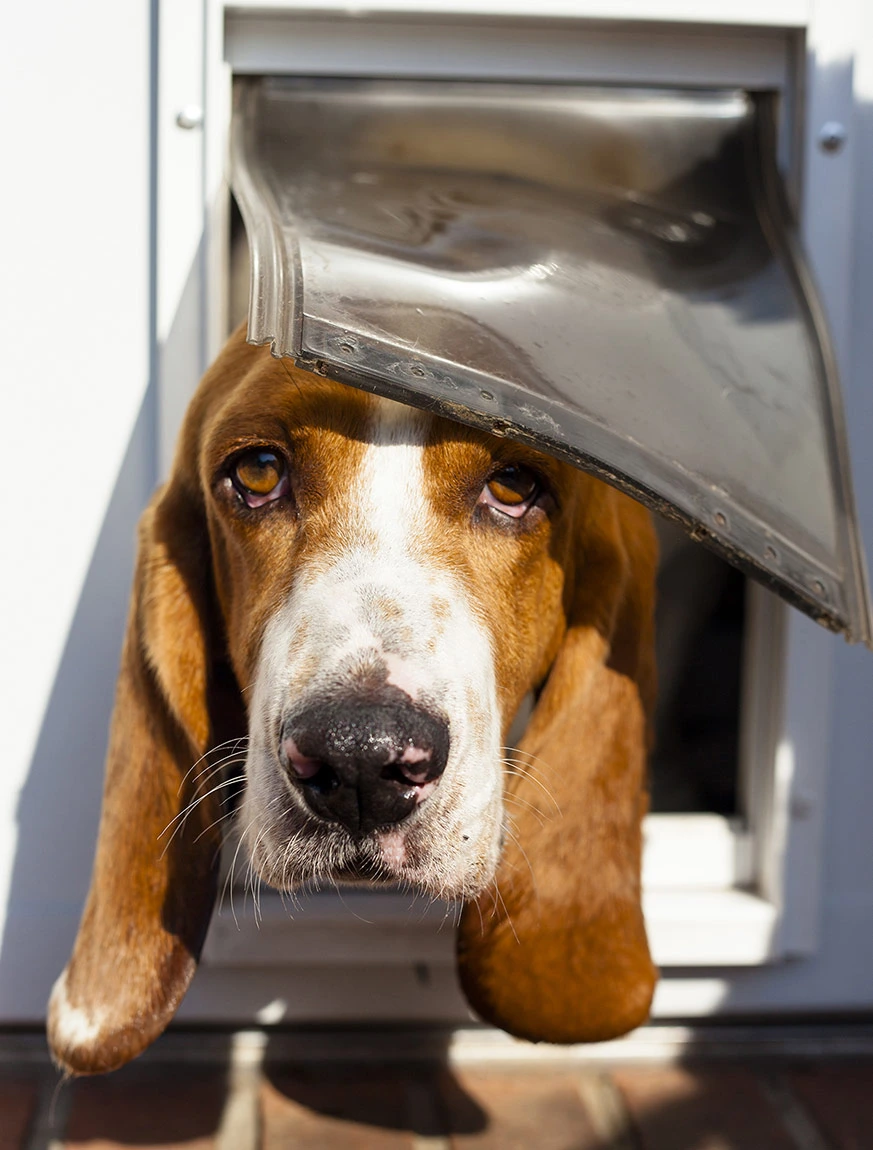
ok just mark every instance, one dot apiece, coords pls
pixel 606 274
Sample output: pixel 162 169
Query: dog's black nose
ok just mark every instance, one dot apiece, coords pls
pixel 365 765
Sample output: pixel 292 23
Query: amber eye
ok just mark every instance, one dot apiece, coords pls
pixel 259 476
pixel 512 490
pixel 512 485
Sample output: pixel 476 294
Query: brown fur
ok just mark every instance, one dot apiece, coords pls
pixel 560 953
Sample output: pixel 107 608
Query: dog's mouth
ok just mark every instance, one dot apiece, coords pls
pixel 302 848
pixel 316 855
pixel 386 855
pixel 367 869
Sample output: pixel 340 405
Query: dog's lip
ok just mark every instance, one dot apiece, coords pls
pixel 392 845
pixel 363 872
pixel 382 859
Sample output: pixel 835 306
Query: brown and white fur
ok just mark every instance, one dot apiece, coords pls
pixel 381 572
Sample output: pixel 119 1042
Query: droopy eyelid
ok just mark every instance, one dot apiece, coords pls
pixel 222 450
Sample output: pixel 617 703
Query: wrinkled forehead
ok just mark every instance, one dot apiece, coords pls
pixel 329 430
pixel 325 424
pixel 277 402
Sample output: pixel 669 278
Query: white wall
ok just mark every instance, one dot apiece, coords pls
pixel 75 281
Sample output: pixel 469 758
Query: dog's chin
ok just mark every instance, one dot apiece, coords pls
pixel 324 855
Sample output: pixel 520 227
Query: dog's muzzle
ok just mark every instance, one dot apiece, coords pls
pixel 364 765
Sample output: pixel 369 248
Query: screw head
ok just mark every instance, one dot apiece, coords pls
pixel 191 116
pixel 832 136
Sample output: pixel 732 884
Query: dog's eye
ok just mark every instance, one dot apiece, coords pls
pixel 259 476
pixel 512 490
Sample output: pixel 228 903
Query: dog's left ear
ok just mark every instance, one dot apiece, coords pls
pixel 558 953
pixel 154 877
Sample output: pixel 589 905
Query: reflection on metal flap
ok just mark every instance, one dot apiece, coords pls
pixel 606 274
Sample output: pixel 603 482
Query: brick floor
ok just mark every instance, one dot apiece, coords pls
pixel 722 1108
pixel 175 1109
pixel 713 1106
pixel 840 1099
pixel 334 1108
pixel 519 1111
pixel 18 1096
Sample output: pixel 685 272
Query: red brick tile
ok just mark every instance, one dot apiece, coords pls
pixel 171 1109
pixel 519 1111
pixel 17 1106
pixel 840 1099
pixel 711 1109
pixel 332 1108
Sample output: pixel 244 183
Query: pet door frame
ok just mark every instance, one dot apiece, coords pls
pixel 719 892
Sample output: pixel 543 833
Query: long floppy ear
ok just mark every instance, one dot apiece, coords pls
pixel 560 954
pixel 152 890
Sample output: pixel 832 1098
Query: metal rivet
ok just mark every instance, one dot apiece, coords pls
pixel 770 552
pixel 720 518
pixel 416 370
pixel 832 136
pixel 818 586
pixel 191 116
pixel 486 395
pixel 348 348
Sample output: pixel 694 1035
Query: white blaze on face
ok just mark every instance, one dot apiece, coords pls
pixel 378 608
pixel 393 504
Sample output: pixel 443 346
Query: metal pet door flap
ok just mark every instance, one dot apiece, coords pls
pixel 606 274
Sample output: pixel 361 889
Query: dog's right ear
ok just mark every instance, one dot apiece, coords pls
pixel 154 877
pixel 559 952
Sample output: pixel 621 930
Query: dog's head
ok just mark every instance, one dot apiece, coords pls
pixel 368 592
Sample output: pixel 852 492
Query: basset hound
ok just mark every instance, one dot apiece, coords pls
pixel 365 593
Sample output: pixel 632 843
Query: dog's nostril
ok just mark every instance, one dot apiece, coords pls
pixel 323 781
pixel 311 772
pixel 415 775
pixel 421 764
pixel 302 765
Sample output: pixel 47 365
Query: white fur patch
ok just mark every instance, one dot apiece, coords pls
pixel 72 1027
pixel 393 503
